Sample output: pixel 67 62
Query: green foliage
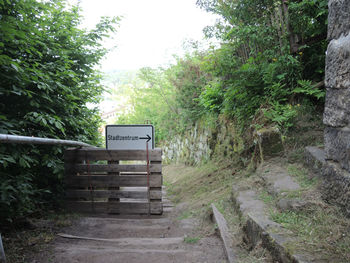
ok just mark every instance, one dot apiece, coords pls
pixel 168 98
pixel 269 48
pixel 151 98
pixel 270 57
pixel 191 240
pixel 189 81
pixel 306 87
pixel 47 78
pixel 281 114
pixel 212 97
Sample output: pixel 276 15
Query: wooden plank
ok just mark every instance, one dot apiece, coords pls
pixel 95 154
pixel 114 207
pixel 136 208
pixel 86 194
pixel 156 198
pixel 92 168
pixel 100 181
pixel 224 234
pixel 156 194
pixel 113 199
pixel 130 240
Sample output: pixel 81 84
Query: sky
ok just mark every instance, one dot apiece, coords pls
pixel 150 32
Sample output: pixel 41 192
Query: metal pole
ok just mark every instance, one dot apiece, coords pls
pixel 6 138
pixel 2 252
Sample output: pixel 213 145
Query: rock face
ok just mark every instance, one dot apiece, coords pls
pixel 199 143
pixel 337 109
pixel 336 186
pixel 225 140
pixel 191 148
pixel 337 145
pixel 337 63
pixel 315 158
pixel 338 18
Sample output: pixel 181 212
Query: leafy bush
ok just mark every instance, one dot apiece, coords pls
pixel 306 87
pixel 47 78
pixel 281 114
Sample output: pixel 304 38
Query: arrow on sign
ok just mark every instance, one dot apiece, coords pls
pixel 148 138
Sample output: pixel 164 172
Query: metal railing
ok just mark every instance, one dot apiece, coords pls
pixel 6 138
pixel 2 252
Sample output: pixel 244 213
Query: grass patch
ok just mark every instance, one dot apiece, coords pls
pixel 320 229
pixel 185 215
pixel 191 240
pixel 296 194
pixel 198 186
pixel 302 176
pixel 266 197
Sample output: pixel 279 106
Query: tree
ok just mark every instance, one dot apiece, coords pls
pixel 270 50
pixel 47 79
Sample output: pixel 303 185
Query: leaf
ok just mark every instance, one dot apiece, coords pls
pixel 10 159
pixel 14 67
pixel 58 125
pixel 23 163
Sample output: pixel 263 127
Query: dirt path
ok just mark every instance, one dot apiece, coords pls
pixel 127 239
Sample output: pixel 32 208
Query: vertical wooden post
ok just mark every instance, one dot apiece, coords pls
pixel 153 198
pixel 112 199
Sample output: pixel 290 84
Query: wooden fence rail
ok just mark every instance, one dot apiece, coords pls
pixel 109 181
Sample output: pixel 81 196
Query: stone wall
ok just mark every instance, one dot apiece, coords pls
pixel 222 141
pixel 191 148
pixel 201 142
pixel 337 108
pixel 337 81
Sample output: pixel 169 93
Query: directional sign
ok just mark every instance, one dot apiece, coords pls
pixel 129 137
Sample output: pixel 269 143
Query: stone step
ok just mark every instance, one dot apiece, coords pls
pixel 315 158
pixel 276 179
pixel 259 228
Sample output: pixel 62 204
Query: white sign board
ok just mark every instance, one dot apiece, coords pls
pixel 129 137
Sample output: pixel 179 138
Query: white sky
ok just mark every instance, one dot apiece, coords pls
pixel 150 32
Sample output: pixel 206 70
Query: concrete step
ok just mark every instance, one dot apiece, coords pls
pixel 276 179
pixel 259 228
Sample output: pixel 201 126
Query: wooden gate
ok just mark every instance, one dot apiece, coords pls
pixel 110 181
